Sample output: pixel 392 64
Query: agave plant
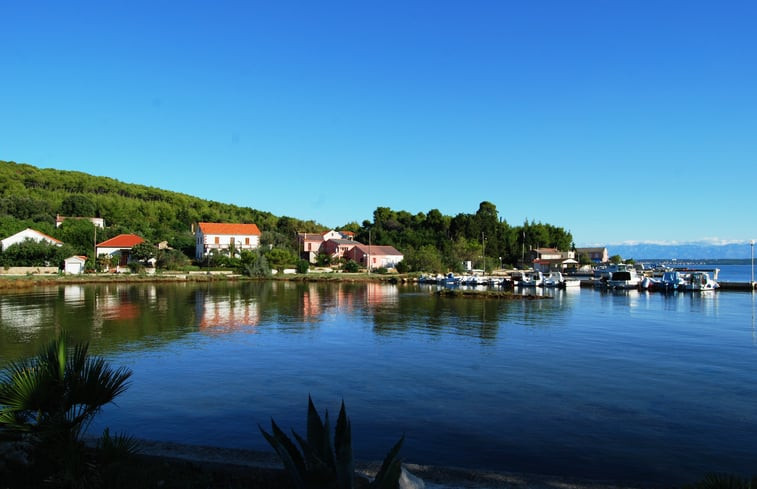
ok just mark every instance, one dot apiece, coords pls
pixel 318 465
pixel 54 396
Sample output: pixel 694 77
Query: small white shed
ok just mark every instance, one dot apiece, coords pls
pixel 74 265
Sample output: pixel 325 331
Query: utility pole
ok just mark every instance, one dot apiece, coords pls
pixel 751 243
pixel 483 250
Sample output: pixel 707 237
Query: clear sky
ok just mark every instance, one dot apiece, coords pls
pixel 617 120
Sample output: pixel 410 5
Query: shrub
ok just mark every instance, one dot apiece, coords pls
pixel 52 398
pixel 351 267
pixel 302 266
pixel 402 267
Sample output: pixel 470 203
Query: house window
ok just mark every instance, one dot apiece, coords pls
pixel 246 241
pixel 231 241
pixel 218 240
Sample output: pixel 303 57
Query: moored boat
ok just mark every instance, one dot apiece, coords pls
pixel 700 281
pixel 625 277
pixel 671 280
pixel 532 279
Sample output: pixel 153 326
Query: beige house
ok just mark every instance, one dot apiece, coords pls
pixel 597 255
pixel 97 221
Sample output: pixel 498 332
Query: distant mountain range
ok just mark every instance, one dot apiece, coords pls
pixel 681 251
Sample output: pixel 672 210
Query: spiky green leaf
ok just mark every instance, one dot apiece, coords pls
pixel 288 453
pixel 345 466
pixel 391 469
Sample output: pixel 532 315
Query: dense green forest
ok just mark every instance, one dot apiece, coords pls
pixel 435 242
pixel 32 197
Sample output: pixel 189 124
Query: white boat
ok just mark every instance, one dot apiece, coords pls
pixel 698 281
pixel 532 279
pixel 648 283
pixel 670 280
pixel 625 277
pixel 571 282
pixel 556 279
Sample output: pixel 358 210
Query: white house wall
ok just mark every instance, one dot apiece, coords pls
pixel 206 243
pixel 21 236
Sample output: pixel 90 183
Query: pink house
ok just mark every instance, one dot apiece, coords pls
pixel 375 256
pixel 311 244
pixel 338 248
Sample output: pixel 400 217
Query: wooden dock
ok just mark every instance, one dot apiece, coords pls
pixel 738 286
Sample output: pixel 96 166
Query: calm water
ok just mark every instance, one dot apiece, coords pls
pixel 587 383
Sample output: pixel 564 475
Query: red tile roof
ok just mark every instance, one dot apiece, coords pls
pixel 121 241
pixel 229 228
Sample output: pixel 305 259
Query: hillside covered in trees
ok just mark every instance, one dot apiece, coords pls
pixel 32 197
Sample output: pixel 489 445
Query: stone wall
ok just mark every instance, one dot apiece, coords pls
pixel 29 270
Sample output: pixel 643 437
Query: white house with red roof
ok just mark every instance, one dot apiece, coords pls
pixel 223 236
pixel 31 234
pixel 74 265
pixel 119 247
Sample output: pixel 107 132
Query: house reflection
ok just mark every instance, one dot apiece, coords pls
pixel 73 295
pixel 115 303
pixel 219 315
pixel 376 293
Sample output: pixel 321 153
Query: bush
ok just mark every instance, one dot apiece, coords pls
pixel 51 399
pixel 402 267
pixel 302 266
pixel 351 267
pixel 382 270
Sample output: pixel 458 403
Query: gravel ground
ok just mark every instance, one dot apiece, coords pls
pixel 433 477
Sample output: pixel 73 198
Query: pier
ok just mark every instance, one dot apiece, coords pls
pixel 737 286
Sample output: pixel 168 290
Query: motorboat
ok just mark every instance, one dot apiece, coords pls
pixel 450 280
pixel 650 283
pixel 699 281
pixel 532 279
pixel 625 277
pixel 556 279
pixel 670 280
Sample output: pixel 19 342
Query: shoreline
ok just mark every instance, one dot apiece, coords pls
pixel 49 280
pixel 434 477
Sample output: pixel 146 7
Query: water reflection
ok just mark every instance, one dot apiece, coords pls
pixel 570 378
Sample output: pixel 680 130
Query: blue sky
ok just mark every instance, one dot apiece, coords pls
pixel 620 121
